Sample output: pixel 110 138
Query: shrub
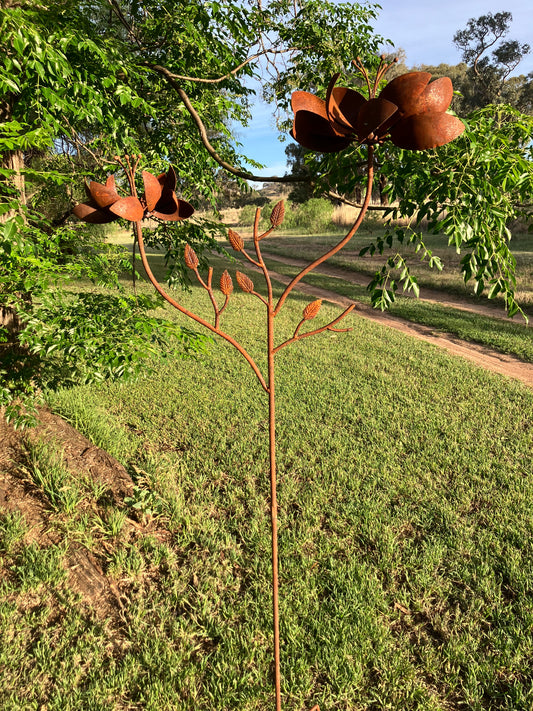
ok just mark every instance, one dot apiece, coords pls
pixel 309 217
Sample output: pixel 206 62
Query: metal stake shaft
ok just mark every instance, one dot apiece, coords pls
pixel 273 505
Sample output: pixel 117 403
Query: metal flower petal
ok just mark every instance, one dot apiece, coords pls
pixel 436 97
pixel 173 208
pixel 168 180
pixel 96 210
pixel 129 208
pixel 405 91
pixel 161 200
pixel 411 108
pixel 104 195
pixel 374 119
pixel 152 190
pixel 91 213
pixel 311 126
pixel 424 131
pixel 317 134
pixel 343 106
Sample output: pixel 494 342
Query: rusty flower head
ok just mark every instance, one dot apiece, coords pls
pixel 159 201
pixel 410 111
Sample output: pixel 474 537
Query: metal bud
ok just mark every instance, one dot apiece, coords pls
pixel 191 260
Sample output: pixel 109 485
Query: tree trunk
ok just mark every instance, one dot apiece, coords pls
pixel 10 328
pixel 12 187
pixel 383 197
pixel 10 321
pixel 11 160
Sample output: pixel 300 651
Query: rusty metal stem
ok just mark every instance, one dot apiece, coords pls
pixel 271 313
pixel 273 504
pixel 269 302
pixel 269 385
pixel 344 240
pixel 157 286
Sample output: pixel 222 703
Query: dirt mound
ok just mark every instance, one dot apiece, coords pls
pixel 80 455
pixel 18 493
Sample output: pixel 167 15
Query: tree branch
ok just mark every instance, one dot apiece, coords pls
pixel 202 80
pixel 245 175
pixel 341 198
pixel 115 8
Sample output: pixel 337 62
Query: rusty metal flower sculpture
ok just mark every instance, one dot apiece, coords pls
pixel 410 111
pixel 159 201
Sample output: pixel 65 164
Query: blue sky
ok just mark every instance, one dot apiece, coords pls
pixel 425 31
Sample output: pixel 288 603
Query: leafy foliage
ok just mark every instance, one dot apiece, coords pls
pixel 310 217
pixel 80 82
pixel 468 190
pixel 325 38
pixel 61 338
pixel 71 327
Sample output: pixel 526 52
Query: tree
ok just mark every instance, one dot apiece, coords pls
pixel 489 79
pixel 303 190
pixel 469 190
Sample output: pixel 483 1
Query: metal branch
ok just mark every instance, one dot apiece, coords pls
pixel 298 337
pixel 255 293
pixel 250 259
pixel 157 286
pixel 359 65
pixel 261 262
pixel 217 320
pixel 344 241
pixel 265 234
pixel 209 288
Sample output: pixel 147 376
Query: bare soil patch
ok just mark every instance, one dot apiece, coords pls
pixel 85 569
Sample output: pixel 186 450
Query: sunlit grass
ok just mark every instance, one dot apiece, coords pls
pixel 508 336
pixel 405 535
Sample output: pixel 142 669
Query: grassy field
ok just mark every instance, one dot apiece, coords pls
pixel 512 336
pixel 406 536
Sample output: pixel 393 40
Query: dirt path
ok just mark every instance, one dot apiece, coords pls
pixel 480 355
pixel 432 296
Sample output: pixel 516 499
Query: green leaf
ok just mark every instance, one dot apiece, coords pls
pixel 10 230
pixel 494 290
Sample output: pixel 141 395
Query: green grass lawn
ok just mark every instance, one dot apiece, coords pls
pixel 406 535
pixel 512 336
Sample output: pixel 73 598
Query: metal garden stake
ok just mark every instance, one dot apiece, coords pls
pixel 410 111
